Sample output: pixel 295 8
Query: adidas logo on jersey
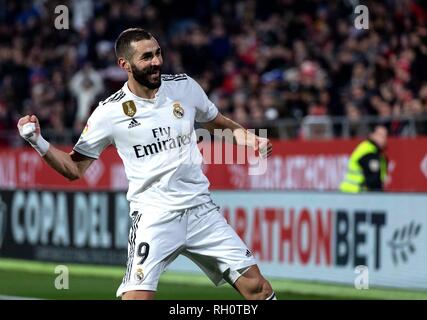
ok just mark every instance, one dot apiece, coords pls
pixel 133 123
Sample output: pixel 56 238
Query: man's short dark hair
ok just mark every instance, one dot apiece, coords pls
pixel 123 43
pixel 373 127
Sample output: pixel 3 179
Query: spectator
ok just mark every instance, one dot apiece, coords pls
pixel 280 56
pixel 85 85
pixel 367 166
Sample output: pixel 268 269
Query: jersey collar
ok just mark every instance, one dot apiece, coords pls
pixel 135 97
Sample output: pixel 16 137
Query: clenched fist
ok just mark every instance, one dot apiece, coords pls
pixel 29 129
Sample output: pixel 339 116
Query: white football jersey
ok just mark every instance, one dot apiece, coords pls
pixel 156 140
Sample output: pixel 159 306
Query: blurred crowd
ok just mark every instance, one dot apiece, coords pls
pixel 259 61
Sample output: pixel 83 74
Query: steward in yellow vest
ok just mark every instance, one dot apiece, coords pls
pixel 367 166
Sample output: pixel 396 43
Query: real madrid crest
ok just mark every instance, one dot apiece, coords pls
pixel 129 108
pixel 178 111
pixel 139 274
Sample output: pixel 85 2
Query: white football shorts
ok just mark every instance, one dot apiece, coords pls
pixel 200 233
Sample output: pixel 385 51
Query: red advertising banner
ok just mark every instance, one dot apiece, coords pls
pixel 294 165
pixel 321 165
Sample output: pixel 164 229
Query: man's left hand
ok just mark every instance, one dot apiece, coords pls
pixel 263 146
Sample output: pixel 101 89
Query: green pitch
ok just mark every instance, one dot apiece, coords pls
pixel 21 278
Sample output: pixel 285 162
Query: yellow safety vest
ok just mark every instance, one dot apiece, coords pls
pixel 355 179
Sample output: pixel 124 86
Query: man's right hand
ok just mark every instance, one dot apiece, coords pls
pixel 29 128
pixel 71 165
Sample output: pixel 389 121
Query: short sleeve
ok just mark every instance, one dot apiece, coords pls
pixel 205 109
pixel 96 135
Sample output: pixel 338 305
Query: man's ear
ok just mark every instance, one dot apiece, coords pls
pixel 124 64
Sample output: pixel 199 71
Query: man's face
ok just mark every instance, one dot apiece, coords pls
pixel 146 63
pixel 379 136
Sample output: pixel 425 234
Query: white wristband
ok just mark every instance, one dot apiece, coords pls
pixel 41 145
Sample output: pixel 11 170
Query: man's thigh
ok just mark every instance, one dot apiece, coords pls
pixel 215 247
pixel 153 243
pixel 139 295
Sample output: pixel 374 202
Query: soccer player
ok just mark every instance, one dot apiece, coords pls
pixel 170 205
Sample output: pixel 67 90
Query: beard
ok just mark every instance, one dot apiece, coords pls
pixel 142 76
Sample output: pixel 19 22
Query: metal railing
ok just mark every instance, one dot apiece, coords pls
pixel 326 127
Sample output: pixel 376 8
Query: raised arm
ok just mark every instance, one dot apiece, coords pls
pixel 71 165
pixel 241 136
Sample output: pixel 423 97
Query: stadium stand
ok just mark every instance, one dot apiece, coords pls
pixel 264 63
